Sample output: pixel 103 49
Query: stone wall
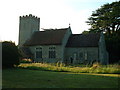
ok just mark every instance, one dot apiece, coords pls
pixel 45 53
pixel 103 54
pixel 81 55
pixel 65 40
pixel 27 25
pixel 66 37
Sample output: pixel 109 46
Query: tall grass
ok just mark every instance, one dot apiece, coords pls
pixel 61 67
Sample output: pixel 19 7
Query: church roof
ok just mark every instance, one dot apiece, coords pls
pixel 47 37
pixel 83 40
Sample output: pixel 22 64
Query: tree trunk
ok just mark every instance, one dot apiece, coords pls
pixel 113 28
pixel 108 30
pixel 118 27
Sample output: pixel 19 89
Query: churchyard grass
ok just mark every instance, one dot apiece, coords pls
pixel 25 78
pixel 102 69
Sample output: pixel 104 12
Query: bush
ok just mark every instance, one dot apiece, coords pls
pixel 10 54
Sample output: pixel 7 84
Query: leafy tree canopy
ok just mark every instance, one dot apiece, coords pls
pixel 106 18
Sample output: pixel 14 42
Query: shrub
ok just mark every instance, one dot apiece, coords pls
pixel 10 54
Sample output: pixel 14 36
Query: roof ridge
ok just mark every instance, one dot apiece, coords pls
pixel 55 29
pixel 83 40
pixel 49 37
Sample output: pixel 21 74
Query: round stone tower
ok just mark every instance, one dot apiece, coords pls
pixel 27 25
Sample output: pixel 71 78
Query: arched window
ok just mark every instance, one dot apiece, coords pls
pixel 38 53
pixel 52 52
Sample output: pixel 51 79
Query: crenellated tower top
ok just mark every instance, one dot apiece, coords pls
pixel 29 16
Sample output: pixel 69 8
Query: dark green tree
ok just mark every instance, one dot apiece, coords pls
pixel 10 54
pixel 85 32
pixel 106 18
pixel 113 47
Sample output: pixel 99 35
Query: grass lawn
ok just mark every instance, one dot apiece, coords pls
pixel 23 78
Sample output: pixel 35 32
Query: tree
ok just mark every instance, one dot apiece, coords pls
pixel 113 47
pixel 85 32
pixel 106 18
pixel 10 54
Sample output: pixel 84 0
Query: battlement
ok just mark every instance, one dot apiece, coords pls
pixel 29 16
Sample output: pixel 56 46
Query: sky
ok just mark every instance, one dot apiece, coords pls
pixel 52 14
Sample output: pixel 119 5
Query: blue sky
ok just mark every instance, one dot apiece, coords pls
pixel 52 13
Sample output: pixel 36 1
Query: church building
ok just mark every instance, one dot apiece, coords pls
pixel 59 45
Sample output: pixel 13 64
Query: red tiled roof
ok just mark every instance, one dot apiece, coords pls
pixel 48 37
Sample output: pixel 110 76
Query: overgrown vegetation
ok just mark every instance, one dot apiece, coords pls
pixel 60 67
